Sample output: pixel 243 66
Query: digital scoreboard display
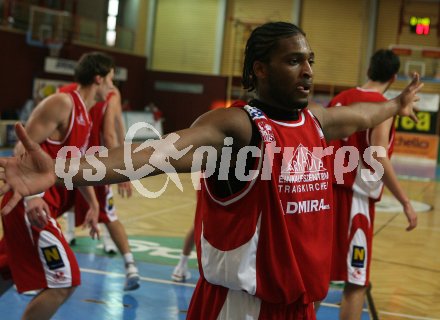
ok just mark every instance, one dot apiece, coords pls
pixel 419 25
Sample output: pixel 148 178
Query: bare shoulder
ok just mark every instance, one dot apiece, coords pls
pixel 58 100
pixel 116 91
pixel 233 122
pixel 57 105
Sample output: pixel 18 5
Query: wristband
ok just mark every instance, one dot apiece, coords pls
pixel 38 195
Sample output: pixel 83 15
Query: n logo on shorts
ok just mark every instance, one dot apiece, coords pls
pixel 110 203
pixel 358 257
pixel 53 258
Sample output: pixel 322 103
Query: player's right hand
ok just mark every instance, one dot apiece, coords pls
pixel 36 210
pixel 31 173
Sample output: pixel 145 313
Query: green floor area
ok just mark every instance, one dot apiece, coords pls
pixel 159 250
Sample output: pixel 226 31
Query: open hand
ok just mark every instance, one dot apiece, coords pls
pixel 30 173
pixel 408 97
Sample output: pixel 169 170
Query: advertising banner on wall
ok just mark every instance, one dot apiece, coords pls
pixel 427 123
pixel 418 140
pixel 45 87
pixel 67 67
pixel 417 145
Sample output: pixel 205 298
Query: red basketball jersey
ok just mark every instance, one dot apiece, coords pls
pixel 273 238
pixel 96 114
pixel 76 136
pixel 68 87
pixel 361 141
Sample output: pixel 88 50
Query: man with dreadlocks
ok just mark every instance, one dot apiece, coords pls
pixel 263 234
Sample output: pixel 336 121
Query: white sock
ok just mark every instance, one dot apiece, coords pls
pixel 70 221
pixel 128 258
pixel 183 262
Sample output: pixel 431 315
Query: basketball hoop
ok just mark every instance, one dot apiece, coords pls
pixel 47 28
pixel 54 48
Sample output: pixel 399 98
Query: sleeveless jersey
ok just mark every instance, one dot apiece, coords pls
pixel 107 212
pixel 68 87
pixel 96 114
pixel 273 238
pixel 78 136
pixel 361 141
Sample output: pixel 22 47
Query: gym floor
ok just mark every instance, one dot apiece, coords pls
pixel 405 265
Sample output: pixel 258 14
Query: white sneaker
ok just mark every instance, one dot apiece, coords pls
pixel 109 245
pixel 132 277
pixel 180 274
pixel 69 216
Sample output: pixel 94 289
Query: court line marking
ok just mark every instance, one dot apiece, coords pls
pixel 333 305
pixel 400 315
pixel 191 285
pixel 396 224
pixel 406 316
pixel 154 213
pixel 147 279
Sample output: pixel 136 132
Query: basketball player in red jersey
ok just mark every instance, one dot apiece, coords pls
pixel 354 199
pixel 263 225
pixel 106 117
pixel 38 255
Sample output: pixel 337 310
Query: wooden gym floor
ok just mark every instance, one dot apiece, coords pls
pixel 405 265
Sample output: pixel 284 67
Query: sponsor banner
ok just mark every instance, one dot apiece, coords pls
pixel 67 67
pixel 427 123
pixel 428 107
pixel 416 145
pixel 45 87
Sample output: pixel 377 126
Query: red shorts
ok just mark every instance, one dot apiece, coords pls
pixel 59 200
pixel 107 212
pixel 38 258
pixel 352 236
pixel 211 302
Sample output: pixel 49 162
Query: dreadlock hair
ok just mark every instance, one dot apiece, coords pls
pixel 259 46
pixel 384 64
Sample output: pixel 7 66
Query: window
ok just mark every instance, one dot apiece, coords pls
pixel 112 14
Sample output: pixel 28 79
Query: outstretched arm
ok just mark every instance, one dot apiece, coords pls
pixel 341 122
pixel 380 137
pixel 34 171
